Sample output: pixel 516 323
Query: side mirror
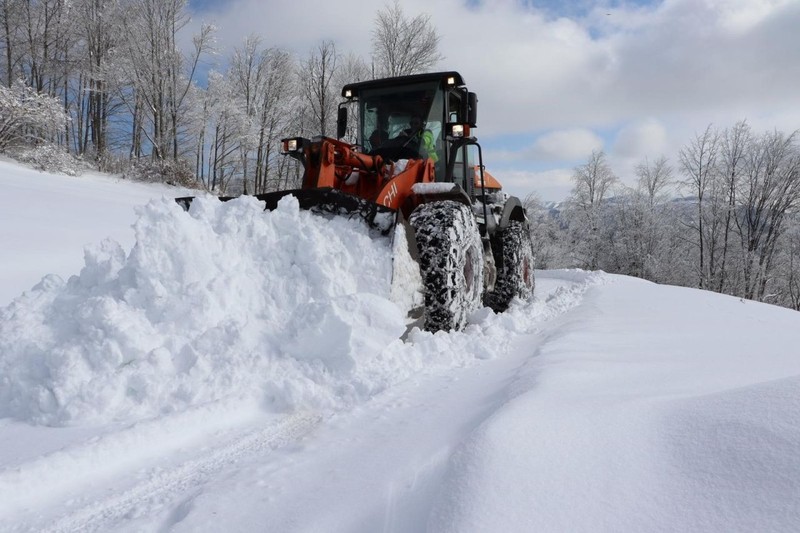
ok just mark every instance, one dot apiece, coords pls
pixel 472 110
pixel 341 122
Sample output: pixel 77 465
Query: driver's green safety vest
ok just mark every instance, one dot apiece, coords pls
pixel 429 145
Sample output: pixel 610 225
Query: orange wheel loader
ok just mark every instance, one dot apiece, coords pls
pixel 405 161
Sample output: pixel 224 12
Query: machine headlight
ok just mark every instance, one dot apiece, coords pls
pixel 294 144
pixel 457 130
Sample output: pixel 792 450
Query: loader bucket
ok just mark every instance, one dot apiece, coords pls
pixel 325 200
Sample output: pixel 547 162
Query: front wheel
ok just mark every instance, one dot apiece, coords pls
pixel 513 255
pixel 451 263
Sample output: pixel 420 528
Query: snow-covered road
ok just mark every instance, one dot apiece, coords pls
pixel 236 370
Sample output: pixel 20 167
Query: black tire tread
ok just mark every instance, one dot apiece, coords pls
pixel 449 251
pixel 513 255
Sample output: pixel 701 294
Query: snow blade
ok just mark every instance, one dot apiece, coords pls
pixel 325 200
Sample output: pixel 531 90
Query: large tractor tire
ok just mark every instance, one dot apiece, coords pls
pixel 513 255
pixel 451 263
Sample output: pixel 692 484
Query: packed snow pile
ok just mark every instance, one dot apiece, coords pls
pixel 225 303
pixel 226 300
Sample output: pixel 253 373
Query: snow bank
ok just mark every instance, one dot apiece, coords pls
pixel 226 303
pixel 50 218
pixel 200 310
pixel 229 303
pixel 650 408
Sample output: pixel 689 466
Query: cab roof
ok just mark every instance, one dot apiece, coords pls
pixel 355 88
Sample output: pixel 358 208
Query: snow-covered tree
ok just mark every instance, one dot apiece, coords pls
pixel 231 132
pixel 99 29
pixel 698 162
pixel 158 74
pixel 402 45
pixel 28 117
pixel 12 38
pixel 770 191
pixel 264 77
pixel 547 234
pixel 316 75
pixel 352 69
pixel 640 222
pixel 587 210
pixel 734 145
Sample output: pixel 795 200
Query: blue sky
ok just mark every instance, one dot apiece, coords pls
pixel 557 80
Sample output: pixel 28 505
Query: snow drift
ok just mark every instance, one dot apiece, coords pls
pixel 228 300
pixel 227 303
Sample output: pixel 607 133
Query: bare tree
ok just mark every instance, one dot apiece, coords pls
pixel 791 267
pixel 403 45
pixel 351 69
pixel 644 229
pixel 698 161
pixel 264 78
pixel 593 181
pixel 653 179
pixel 744 185
pixel 547 235
pixel 100 32
pixel 734 144
pixel 11 24
pixel 771 190
pixel 158 73
pixel 276 102
pixel 316 76
pixel 230 129
pixel 245 73
pixel 46 27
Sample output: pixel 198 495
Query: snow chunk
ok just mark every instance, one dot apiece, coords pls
pixel 432 188
pixel 343 332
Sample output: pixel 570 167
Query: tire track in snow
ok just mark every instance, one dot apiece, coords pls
pixel 165 486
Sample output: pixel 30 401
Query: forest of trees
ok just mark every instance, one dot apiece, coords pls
pixel 724 218
pixel 109 85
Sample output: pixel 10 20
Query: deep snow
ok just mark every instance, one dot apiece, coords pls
pixel 229 369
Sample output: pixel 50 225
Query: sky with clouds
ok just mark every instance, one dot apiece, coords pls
pixel 557 80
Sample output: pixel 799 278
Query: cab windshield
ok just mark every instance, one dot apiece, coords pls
pixel 392 120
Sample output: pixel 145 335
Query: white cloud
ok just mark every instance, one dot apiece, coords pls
pixel 742 15
pixel 570 145
pixel 549 185
pixel 534 72
pixel 645 138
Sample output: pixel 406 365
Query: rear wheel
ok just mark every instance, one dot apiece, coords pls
pixel 513 255
pixel 451 263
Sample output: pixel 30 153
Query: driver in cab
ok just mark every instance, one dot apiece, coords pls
pixel 420 137
pixel 415 138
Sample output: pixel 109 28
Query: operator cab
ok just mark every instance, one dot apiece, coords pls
pixel 386 109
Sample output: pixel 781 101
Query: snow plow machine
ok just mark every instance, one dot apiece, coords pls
pixel 404 160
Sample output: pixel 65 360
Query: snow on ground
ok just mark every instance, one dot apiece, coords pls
pixel 48 219
pixel 228 369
